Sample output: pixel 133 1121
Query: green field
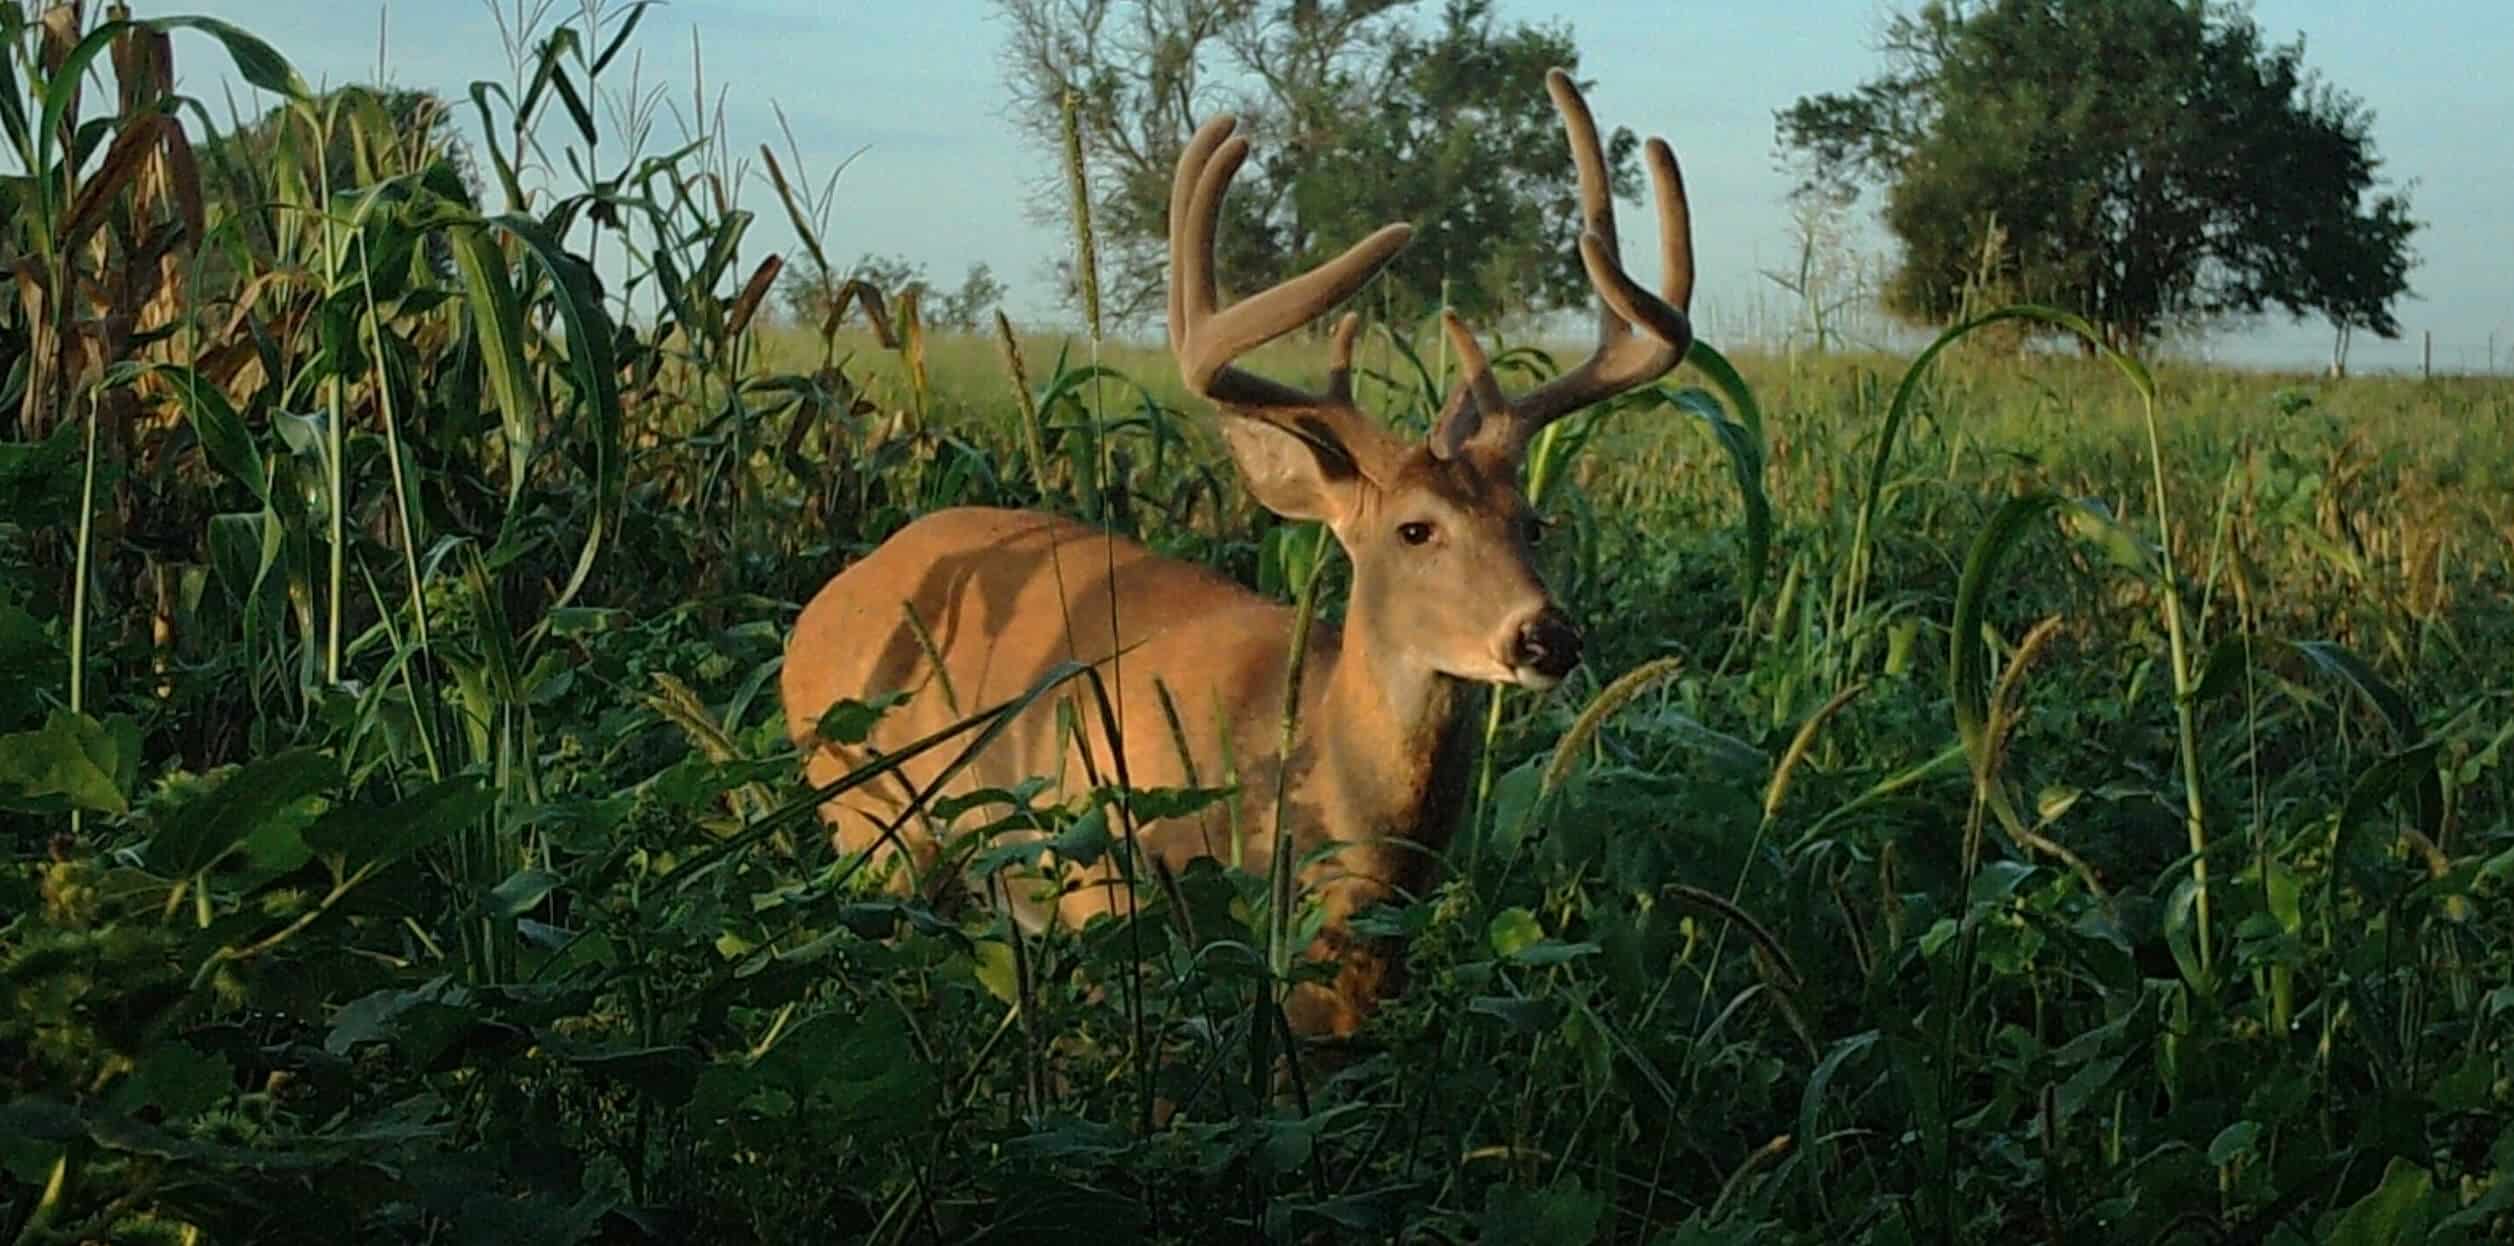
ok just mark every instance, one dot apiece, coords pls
pixel 404 844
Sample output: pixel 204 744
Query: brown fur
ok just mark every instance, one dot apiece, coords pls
pixel 1379 754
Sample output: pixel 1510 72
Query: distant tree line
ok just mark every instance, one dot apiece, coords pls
pixel 2151 164
pixel 968 307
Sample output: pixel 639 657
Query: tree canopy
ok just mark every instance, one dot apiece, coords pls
pixel 1361 111
pixel 2145 163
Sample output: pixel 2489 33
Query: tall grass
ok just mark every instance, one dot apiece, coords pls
pixel 2102 770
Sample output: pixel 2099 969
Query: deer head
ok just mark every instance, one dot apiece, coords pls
pixel 1440 531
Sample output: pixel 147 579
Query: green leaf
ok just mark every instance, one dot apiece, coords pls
pixel 664 1075
pixel 1743 439
pixel 2409 777
pixel 375 1017
pixel 278 848
pixel 73 757
pixel 2338 662
pixel 176 1079
pixel 2469 1087
pixel 585 620
pixel 498 323
pixel 2284 895
pixel 1050 1210
pixel 39 480
pixel 2182 932
pixel 518 894
pixel 256 62
pixel 1083 842
pixel 2000 880
pixel 29 662
pixel 1819 1094
pixel 1517 794
pixel 1158 804
pixel 1523 1016
pixel 1968 675
pixel 242 547
pixel 2232 1141
pixel 992 964
pixel 860 1071
pixel 1086 839
pixel 481 94
pixel 575 102
pixel 1940 933
pixel 364 837
pixel 224 438
pixel 2396 1212
pixel 198 834
pixel 620 37
pixel 40 1119
pixel 2224 669
pixel 1513 930
pixel 851 721
pixel 1552 952
pixel 595 378
pixel 2091 520
pixel 1565 1213
pixel 2092 1079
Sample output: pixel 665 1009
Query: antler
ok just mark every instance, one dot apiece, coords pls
pixel 1206 340
pixel 1476 411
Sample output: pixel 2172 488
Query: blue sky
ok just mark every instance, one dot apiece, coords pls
pixel 943 176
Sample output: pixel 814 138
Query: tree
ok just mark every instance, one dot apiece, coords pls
pixel 2149 163
pixel 807 290
pixel 1826 278
pixel 967 308
pixel 807 293
pixel 1359 115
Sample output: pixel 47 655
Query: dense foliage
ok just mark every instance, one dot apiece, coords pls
pixel 2003 804
pixel 2145 163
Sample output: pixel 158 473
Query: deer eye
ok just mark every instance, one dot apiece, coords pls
pixel 1414 533
pixel 1535 526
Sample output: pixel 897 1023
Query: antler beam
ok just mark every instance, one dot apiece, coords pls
pixel 1623 360
pixel 1206 338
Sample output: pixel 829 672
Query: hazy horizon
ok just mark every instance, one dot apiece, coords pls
pixel 941 175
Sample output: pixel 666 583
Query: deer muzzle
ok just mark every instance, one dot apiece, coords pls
pixel 1545 650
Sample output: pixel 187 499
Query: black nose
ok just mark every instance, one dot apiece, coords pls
pixel 1549 644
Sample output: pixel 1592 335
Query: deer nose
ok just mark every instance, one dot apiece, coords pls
pixel 1547 644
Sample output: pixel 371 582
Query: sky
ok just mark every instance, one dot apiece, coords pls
pixel 914 93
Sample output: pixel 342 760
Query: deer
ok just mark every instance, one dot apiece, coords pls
pixel 970 607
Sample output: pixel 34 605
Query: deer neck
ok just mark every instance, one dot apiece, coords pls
pixel 1388 743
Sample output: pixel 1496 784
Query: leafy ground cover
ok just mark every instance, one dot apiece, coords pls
pixel 2008 799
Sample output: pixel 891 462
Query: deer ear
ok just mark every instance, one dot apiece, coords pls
pixel 1298 475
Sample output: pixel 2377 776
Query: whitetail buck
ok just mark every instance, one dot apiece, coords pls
pixel 1444 596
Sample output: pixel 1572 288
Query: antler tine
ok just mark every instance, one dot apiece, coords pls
pixel 1622 360
pixel 1191 265
pixel 1205 339
pixel 1477 394
pixel 1340 358
pixel 1588 160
